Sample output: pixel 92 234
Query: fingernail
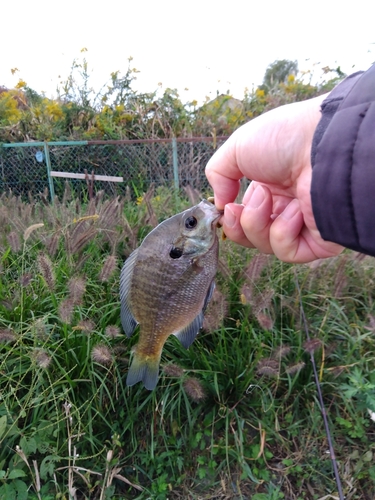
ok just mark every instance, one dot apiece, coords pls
pixel 257 197
pixel 229 216
pixel 290 210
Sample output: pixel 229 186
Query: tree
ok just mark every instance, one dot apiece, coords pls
pixel 278 72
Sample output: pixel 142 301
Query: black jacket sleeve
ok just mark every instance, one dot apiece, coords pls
pixel 343 160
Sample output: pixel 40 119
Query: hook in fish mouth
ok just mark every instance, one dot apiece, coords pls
pixel 216 220
pixel 211 200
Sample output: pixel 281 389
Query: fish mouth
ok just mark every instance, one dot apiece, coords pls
pixel 215 222
pixel 215 213
pixel 217 216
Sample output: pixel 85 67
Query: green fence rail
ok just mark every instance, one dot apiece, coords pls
pixel 32 167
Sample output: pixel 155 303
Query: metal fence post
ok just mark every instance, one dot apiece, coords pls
pixel 175 164
pixel 50 179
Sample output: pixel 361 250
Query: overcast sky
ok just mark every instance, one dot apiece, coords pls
pixel 205 46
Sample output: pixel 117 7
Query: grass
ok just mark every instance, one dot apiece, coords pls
pixel 235 416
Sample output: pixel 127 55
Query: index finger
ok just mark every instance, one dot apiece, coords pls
pixel 223 174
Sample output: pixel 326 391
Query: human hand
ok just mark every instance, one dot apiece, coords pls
pixel 276 214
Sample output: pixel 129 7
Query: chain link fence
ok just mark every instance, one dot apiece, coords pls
pixel 31 168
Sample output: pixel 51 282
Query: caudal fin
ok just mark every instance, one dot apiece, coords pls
pixel 144 370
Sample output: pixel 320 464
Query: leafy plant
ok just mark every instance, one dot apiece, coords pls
pixel 118 111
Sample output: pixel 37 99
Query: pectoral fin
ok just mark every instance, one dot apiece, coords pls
pixel 188 334
pixel 128 321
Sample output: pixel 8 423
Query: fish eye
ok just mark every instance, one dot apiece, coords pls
pixel 175 253
pixel 191 222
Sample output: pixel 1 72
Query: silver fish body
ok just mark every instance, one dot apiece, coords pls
pixel 166 284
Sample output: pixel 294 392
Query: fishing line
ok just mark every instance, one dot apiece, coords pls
pixel 320 396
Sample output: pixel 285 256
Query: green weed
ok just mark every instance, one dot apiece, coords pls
pixel 234 416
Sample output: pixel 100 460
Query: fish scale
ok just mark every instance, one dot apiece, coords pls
pixel 166 284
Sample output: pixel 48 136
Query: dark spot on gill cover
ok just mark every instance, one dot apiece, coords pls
pixel 175 253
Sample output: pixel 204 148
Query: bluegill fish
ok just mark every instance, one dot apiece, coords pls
pixel 166 284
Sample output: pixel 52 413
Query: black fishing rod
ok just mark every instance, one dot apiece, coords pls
pixel 320 396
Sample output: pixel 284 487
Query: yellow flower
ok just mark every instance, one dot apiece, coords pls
pixel 21 84
pixel 9 108
pixel 53 109
pixel 259 93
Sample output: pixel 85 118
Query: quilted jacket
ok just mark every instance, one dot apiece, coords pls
pixel 343 161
